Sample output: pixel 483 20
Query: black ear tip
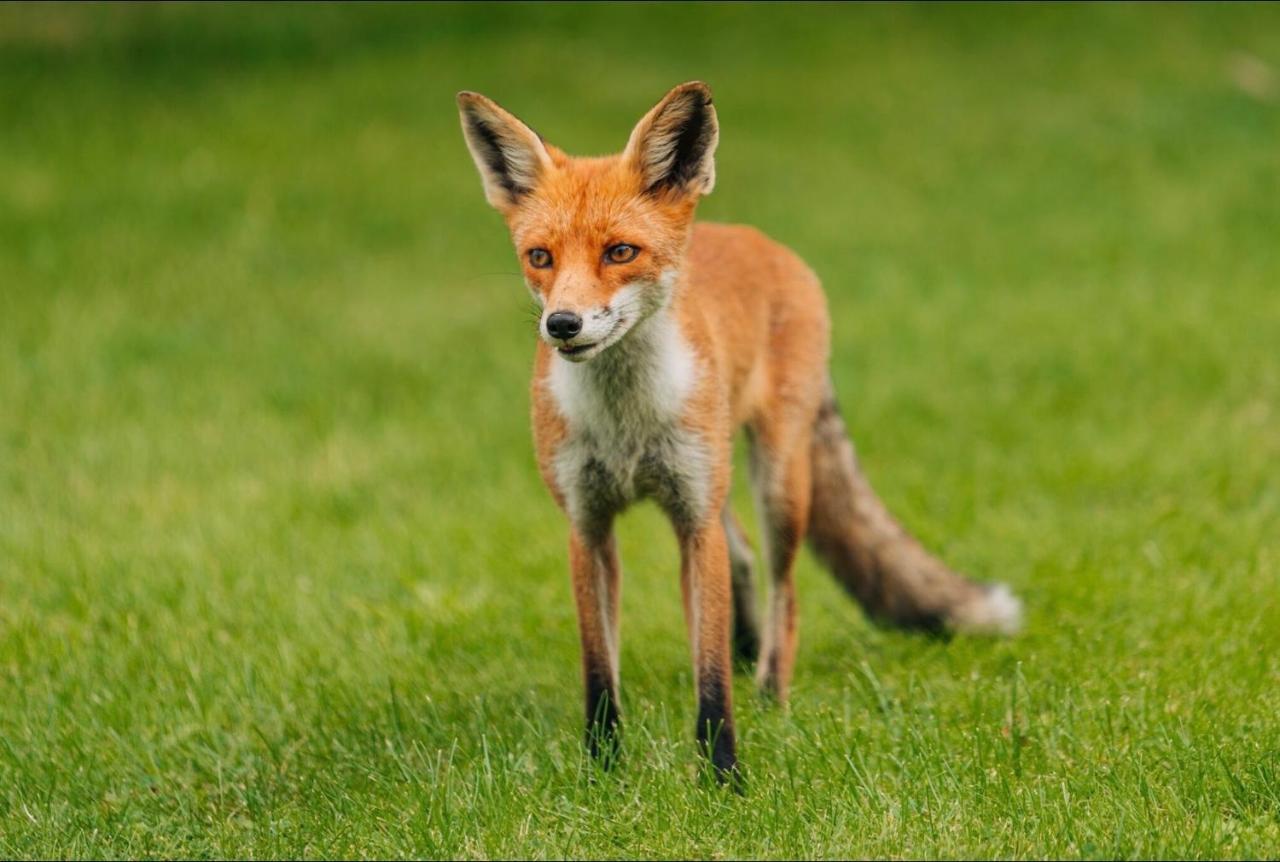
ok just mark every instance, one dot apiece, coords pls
pixel 700 88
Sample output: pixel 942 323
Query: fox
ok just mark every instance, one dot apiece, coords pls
pixel 660 339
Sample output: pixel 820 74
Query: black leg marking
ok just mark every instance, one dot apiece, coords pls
pixel 602 720
pixel 746 625
pixel 746 638
pixel 715 728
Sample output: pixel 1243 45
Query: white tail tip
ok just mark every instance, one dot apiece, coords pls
pixel 996 612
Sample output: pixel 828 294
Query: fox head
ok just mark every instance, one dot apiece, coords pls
pixel 601 240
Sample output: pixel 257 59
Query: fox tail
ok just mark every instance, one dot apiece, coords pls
pixel 878 562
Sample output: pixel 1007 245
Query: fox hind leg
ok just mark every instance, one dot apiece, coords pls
pixel 781 482
pixel 746 620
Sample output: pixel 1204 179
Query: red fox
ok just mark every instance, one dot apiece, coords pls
pixel 659 339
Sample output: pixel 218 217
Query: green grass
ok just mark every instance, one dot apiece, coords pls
pixel 278 576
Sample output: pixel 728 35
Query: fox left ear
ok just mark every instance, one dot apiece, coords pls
pixel 509 155
pixel 673 146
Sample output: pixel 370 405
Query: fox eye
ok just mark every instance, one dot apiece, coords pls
pixel 621 253
pixel 539 258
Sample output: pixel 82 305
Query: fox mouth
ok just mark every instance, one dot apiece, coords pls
pixel 584 351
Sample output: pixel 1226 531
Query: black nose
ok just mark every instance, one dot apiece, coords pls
pixel 563 325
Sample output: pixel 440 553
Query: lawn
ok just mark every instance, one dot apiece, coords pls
pixel 278 576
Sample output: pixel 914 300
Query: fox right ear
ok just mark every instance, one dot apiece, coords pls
pixel 674 145
pixel 509 155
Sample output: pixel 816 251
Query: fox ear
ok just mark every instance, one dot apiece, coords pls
pixel 673 146
pixel 509 155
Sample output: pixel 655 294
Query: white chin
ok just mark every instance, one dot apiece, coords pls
pixel 581 355
pixel 612 337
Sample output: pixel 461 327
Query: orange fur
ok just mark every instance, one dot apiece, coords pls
pixel 708 329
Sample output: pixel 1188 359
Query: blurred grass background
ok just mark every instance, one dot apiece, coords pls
pixel 277 574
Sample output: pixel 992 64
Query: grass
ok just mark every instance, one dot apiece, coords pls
pixel 278 577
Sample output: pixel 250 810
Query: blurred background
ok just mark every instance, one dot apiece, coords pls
pixel 278 575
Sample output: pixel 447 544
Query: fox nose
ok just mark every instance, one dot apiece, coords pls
pixel 563 325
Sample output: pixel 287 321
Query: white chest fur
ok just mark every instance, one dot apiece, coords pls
pixel 623 410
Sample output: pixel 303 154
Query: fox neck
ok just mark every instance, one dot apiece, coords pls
pixel 633 387
pixel 623 412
